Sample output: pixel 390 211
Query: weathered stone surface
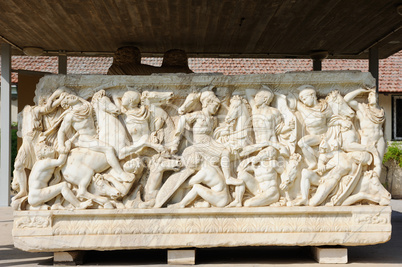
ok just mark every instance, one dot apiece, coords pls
pixel 392 178
pixel 202 227
pixel 181 257
pixel 68 257
pixel 176 161
pixel 330 255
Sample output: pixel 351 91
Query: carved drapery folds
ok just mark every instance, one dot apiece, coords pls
pixel 184 141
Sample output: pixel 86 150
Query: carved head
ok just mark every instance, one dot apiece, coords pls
pixel 210 102
pixel 264 96
pixel 372 97
pixel 134 166
pixel 69 101
pixel 268 153
pixel 191 158
pixel 98 95
pixel 308 95
pixel 131 99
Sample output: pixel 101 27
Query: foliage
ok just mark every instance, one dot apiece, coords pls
pixel 394 152
pixel 14 149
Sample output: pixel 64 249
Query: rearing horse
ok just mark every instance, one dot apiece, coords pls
pixel 111 130
pixel 239 124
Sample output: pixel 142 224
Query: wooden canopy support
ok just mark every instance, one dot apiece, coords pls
pixel 318 57
pixel 373 64
pixel 62 64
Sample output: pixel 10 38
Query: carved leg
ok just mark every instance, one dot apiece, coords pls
pixel 306 143
pixel 70 197
pixel 19 182
pixel 263 199
pixel 225 165
pixel 83 193
pixel 323 191
pixel 308 177
pixel 239 192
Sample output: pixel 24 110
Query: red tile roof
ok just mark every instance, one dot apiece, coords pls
pixel 390 68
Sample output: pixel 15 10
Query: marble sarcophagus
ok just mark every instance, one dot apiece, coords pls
pixel 201 160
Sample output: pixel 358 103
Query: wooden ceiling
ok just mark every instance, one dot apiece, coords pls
pixel 226 28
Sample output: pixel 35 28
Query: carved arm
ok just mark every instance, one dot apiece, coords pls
pixel 350 97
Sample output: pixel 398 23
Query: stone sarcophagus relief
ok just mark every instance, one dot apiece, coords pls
pixel 172 160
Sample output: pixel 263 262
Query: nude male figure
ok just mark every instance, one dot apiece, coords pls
pixel 26 154
pixel 39 190
pixel 208 183
pixel 267 120
pixel 203 124
pixel 371 119
pixel 315 116
pixel 79 118
pixel 263 184
pixel 332 166
pixel 137 123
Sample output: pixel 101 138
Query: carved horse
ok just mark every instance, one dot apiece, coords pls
pixel 90 163
pixel 338 105
pixel 190 103
pixel 111 130
pixel 239 124
pixel 161 123
pixel 341 131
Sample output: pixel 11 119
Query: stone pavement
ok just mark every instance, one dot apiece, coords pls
pixel 388 254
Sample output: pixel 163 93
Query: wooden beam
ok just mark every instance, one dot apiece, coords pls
pixel 62 64
pixel 5 172
pixel 317 64
pixel 318 57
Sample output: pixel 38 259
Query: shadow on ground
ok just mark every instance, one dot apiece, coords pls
pixel 15 257
pixel 390 252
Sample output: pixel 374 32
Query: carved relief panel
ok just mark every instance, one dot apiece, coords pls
pixel 187 141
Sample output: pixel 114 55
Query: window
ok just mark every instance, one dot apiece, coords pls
pixel 397 117
pixel 14 92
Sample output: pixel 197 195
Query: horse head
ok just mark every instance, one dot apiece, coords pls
pixel 339 105
pixel 235 109
pixel 165 163
pixel 103 188
pixel 238 121
pixel 190 103
pixel 103 103
pixel 155 98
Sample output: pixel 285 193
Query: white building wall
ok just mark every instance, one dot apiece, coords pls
pixel 14 110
